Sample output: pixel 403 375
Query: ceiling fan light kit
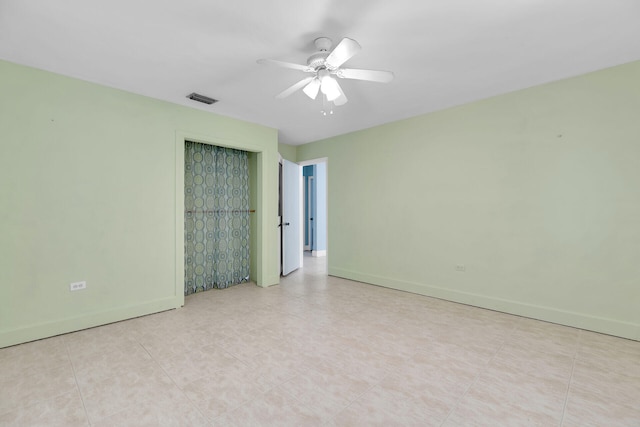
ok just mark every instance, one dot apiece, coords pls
pixel 311 90
pixel 325 67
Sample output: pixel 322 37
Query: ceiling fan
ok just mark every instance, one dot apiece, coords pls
pixel 324 66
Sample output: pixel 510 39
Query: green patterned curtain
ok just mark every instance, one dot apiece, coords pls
pixel 216 217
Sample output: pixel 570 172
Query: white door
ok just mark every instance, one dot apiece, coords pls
pixel 291 217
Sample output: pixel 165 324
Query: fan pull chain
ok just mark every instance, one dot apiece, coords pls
pixel 327 106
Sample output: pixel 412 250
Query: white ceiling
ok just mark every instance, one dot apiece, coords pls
pixel 443 53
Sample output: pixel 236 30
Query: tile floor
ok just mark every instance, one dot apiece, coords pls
pixel 322 351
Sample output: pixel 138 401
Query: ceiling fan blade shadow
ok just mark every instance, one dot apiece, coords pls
pixel 368 75
pixel 311 90
pixel 342 53
pixel 283 64
pixel 293 88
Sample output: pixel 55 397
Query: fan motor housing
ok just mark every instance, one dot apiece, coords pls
pixel 316 60
pixel 323 43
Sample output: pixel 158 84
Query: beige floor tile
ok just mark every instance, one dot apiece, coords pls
pixel 161 345
pixel 28 390
pixel 437 378
pixel 522 390
pixel 178 413
pixel 594 343
pixel 100 366
pixel 33 358
pixel 594 377
pixel 319 350
pixel 89 342
pixel 392 345
pixel 545 337
pixel 516 359
pixel 128 391
pixel 491 413
pixel 65 410
pixel 588 409
pixel 277 365
pixel 438 396
pixel 497 401
pixel 274 408
pixel 516 390
pixel 194 364
pixel 251 344
pixel 363 364
pixel 325 389
pixel 380 406
pixel 224 390
pixel 609 353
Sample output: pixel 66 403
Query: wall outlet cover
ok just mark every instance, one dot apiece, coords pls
pixel 77 286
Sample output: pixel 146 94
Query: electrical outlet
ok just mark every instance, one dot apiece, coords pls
pixel 77 286
pixel 460 268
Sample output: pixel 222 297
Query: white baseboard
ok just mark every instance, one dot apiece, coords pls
pixel 319 253
pixel 549 314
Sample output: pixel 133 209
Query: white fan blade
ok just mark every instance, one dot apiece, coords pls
pixel 311 90
pixel 283 64
pixel 369 75
pixel 342 99
pixel 342 53
pixel 294 88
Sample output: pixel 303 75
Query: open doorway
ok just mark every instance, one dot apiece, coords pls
pixel 315 212
pixel 303 213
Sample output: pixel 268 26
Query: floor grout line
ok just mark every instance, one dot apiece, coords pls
pixel 75 377
pixel 566 398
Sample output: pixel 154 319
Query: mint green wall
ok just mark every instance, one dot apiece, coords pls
pixel 91 190
pixel 288 152
pixel 536 193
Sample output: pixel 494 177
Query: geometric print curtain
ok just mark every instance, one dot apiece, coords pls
pixel 216 217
